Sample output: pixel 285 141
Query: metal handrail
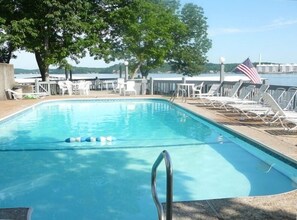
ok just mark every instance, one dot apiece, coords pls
pixel 169 188
pixel 172 98
pixel 184 95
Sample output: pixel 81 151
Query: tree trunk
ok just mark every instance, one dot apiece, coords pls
pixel 43 68
pixel 144 72
pixel 136 70
pixel 70 72
pixel 66 74
pixel 10 51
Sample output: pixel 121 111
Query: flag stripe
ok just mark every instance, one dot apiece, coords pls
pixel 249 70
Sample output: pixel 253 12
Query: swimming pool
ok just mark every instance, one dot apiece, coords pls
pixel 111 179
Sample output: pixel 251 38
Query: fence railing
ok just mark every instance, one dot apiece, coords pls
pixel 168 87
pixel 164 86
pixel 49 87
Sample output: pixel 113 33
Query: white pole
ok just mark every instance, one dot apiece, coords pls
pixel 222 60
pixel 126 72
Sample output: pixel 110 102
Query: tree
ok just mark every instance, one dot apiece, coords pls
pixel 56 29
pixel 144 29
pixel 6 52
pixel 189 54
pixel 6 47
pixel 150 32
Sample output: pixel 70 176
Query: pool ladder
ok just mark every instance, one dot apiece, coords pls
pixel 183 95
pixel 169 188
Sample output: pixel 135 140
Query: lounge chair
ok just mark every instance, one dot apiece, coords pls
pixel 218 100
pixel 244 94
pixel 130 88
pixel 284 99
pixel 283 116
pixel 213 91
pixel 260 109
pixel 255 101
pixel 287 99
pixel 22 95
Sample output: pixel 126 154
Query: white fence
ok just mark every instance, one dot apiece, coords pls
pixel 166 87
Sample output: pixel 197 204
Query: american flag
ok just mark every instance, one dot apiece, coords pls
pixel 248 69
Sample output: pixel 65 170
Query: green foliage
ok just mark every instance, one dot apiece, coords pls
pixel 189 54
pixel 52 29
pixel 145 32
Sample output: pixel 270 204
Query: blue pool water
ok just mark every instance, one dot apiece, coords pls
pixel 111 180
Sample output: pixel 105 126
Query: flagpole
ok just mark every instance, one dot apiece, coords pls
pixel 222 61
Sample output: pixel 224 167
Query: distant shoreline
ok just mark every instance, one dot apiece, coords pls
pixel 282 79
pixel 37 72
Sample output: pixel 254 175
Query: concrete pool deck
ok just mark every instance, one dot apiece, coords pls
pixel 282 206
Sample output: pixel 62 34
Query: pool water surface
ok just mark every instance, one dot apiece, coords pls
pixel 111 179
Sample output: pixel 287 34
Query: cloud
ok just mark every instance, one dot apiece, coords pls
pixel 279 23
pixel 276 24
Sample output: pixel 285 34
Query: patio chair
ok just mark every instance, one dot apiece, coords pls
pixel 197 90
pixel 130 88
pixel 283 116
pixel 120 86
pixel 65 86
pixel 84 87
pixel 22 95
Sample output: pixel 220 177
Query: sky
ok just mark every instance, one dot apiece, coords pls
pixel 263 30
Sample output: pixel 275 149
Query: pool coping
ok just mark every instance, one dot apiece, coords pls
pixel 209 209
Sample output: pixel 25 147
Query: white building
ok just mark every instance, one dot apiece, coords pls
pixel 277 68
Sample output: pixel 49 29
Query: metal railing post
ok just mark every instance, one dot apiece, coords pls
pixel 169 186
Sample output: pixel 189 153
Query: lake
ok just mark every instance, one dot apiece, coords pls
pixel 281 79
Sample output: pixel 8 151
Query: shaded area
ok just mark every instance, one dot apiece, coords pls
pixel 281 132
pixel 15 213
pixel 276 207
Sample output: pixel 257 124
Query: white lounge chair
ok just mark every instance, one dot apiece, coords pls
pixel 213 91
pixel 283 116
pixel 22 95
pixel 287 99
pixel 259 109
pixel 247 104
pixel 252 106
pixel 243 95
pixel 217 100
pixel 130 88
